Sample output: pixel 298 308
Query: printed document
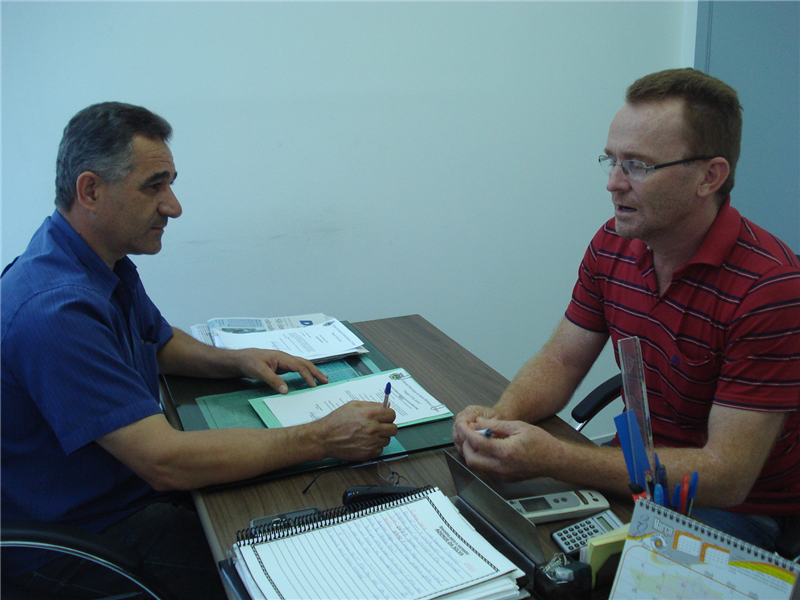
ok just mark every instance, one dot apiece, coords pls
pixel 324 341
pixel 204 331
pixel 408 399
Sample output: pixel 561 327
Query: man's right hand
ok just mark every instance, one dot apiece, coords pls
pixel 357 431
pixel 467 419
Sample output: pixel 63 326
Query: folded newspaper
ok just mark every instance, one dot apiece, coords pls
pixel 315 337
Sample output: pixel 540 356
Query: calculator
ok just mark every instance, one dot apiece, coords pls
pixel 572 538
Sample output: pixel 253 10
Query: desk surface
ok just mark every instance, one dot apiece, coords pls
pixel 453 375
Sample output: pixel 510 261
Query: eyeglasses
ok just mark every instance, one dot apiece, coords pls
pixel 636 169
pixel 385 472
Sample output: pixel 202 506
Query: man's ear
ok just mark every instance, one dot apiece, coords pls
pixel 716 173
pixel 87 190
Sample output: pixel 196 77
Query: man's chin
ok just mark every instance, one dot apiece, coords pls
pixel 147 249
pixel 624 230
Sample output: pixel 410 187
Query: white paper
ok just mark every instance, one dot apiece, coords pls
pixel 203 331
pixel 408 399
pixel 315 342
pixel 416 550
pixel 253 325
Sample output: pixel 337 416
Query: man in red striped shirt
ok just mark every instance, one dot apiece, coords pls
pixel 715 302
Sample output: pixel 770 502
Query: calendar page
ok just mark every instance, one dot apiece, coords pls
pixel 668 555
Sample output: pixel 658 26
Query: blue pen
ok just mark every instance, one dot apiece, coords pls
pixel 658 495
pixel 692 492
pixel 484 432
pixel 661 476
pixel 386 393
pixel 676 498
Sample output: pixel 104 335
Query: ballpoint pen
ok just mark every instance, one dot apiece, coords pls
pixel 692 492
pixel 648 478
pixel 684 493
pixel 484 432
pixel 676 498
pixel 658 495
pixel 661 476
pixel 637 491
pixel 386 393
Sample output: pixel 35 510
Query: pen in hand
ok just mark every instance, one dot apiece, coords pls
pixel 484 432
pixel 386 393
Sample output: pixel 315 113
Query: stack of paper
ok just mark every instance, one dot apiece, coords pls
pixel 419 548
pixel 314 337
pixel 204 331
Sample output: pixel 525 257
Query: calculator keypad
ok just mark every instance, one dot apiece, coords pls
pixel 573 537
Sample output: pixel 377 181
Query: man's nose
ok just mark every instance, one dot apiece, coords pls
pixel 170 207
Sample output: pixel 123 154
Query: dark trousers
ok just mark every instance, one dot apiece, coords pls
pixel 176 555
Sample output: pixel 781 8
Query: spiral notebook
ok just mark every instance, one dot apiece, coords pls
pixel 416 547
pixel 669 555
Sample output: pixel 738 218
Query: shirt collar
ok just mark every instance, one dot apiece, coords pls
pixel 721 237
pixel 124 270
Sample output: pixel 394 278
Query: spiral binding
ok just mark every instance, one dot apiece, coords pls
pixel 721 537
pixel 290 527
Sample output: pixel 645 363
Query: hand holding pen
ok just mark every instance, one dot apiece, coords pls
pixel 386 393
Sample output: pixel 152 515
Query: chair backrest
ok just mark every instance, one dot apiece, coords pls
pixel 597 400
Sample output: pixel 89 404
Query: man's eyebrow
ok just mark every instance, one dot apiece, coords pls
pixel 159 177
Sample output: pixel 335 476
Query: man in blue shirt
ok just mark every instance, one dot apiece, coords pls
pixel 84 439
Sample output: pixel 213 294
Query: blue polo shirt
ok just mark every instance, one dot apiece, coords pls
pixel 79 346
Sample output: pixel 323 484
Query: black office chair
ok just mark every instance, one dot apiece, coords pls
pixel 596 400
pixel 58 537
pixel 604 394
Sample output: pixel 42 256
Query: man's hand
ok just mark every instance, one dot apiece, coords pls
pixel 266 365
pixel 184 355
pixel 357 430
pixel 512 450
pixel 467 419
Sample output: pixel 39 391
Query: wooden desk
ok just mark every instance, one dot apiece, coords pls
pixel 454 376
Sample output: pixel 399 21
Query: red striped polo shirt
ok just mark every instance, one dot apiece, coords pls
pixel 726 331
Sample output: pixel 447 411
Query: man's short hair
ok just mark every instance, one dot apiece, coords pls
pixel 100 139
pixel 712 110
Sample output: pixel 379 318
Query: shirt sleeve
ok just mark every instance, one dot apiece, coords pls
pixel 88 370
pixel 586 306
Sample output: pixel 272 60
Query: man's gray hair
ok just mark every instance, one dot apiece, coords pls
pixel 100 139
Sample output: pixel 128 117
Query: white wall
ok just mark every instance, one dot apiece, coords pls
pixel 360 159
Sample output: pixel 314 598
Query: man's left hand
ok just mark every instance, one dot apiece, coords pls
pixel 513 452
pixel 266 365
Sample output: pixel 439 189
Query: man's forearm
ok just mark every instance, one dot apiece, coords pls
pixel 184 355
pixel 538 391
pixel 547 381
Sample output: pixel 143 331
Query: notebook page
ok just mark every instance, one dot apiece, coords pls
pixel 416 550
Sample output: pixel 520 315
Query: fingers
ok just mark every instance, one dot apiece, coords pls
pixel 359 430
pixel 467 420
pixel 305 368
pixel 309 372
pixel 267 364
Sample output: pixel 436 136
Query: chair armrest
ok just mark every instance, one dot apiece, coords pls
pixel 598 399
pixel 69 539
